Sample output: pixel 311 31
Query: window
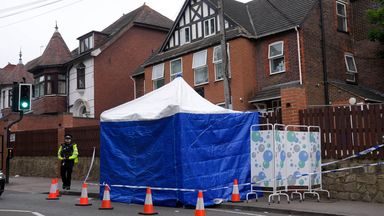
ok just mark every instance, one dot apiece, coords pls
pixel 209 27
pixel 200 91
pixel 61 84
pixel 158 76
pixel 217 61
pixel 276 57
pixel 341 12
pixel 9 98
pixel 49 84
pixel 200 67
pixel 86 44
pixel 351 67
pixel 185 35
pixel 3 99
pixel 80 76
pixel 39 84
pixel 176 68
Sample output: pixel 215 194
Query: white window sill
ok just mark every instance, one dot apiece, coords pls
pixel 274 73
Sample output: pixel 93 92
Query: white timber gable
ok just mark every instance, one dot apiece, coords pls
pixel 82 94
pixel 199 19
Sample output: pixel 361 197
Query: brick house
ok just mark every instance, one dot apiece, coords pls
pixel 49 72
pixel 283 54
pixel 8 75
pixel 101 68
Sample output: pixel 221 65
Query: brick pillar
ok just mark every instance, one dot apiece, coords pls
pixel 292 100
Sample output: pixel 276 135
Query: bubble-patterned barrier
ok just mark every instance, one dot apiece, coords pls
pixel 280 155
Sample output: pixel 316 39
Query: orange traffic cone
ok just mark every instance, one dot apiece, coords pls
pixel 52 191
pixel 57 188
pixel 235 192
pixel 148 206
pixel 106 203
pixel 200 211
pixel 84 196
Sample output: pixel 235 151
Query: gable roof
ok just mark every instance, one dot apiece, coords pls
pixel 17 74
pixel 56 53
pixel 255 19
pixel 142 16
pixel 9 67
pixel 271 16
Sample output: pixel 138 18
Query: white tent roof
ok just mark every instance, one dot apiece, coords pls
pixel 175 97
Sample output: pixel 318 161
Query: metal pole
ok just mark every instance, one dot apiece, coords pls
pixel 7 162
pixel 223 43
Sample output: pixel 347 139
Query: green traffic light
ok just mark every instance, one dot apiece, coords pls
pixel 24 105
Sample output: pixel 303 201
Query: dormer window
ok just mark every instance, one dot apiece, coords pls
pixel 86 44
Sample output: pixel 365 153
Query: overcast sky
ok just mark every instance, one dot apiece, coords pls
pixel 29 24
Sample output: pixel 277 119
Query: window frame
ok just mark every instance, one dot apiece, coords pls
pixel 210 21
pixel 352 73
pixel 3 99
pixel 61 81
pixel 49 84
pixel 198 68
pixel 341 16
pixel 271 58
pixel 39 83
pixel 80 75
pixel 10 98
pixel 86 44
pixel 350 55
pixel 174 75
pixel 184 35
pixel 156 81
pixel 217 63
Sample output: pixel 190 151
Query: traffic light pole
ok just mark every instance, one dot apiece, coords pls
pixel 8 159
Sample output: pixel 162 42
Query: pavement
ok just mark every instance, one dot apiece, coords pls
pixel 326 207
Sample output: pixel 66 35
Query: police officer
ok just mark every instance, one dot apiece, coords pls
pixel 67 155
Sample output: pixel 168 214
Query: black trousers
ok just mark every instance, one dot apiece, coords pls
pixel 66 172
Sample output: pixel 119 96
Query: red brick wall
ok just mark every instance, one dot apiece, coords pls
pixel 368 64
pixel 292 100
pixel 113 67
pixel 243 81
pixel 49 104
pixel 312 69
pixel 243 68
pixel 355 41
pixel 291 73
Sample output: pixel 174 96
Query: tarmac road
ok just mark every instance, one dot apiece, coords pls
pixel 14 203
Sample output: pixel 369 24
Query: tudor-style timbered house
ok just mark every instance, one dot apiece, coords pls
pixel 282 54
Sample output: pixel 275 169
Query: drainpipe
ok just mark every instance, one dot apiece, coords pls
pixel 299 54
pixel 323 53
pixel 67 85
pixel 134 87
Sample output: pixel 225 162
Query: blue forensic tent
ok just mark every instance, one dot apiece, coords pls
pixel 172 138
